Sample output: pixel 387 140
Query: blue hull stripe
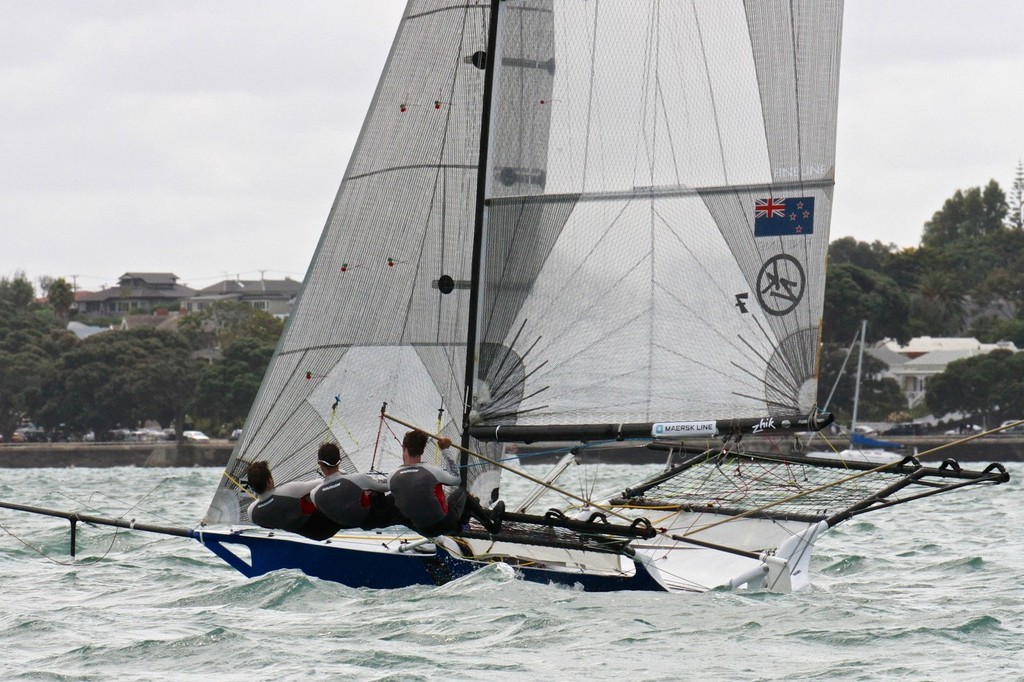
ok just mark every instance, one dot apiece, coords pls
pixel 380 570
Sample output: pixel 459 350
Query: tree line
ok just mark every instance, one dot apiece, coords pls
pixel 965 278
pixel 119 380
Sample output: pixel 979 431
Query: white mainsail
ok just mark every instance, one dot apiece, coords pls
pixel 636 149
pixel 630 271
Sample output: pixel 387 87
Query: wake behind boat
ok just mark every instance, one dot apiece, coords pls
pixel 570 221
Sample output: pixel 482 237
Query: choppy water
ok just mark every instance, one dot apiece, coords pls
pixel 929 591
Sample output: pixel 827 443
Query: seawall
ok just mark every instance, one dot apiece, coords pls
pixel 995 448
pixel 141 454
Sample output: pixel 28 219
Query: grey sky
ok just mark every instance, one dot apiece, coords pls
pixel 209 138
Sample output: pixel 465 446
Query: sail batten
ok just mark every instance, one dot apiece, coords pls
pixel 653 192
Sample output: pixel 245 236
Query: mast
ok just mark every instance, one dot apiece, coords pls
pixel 479 226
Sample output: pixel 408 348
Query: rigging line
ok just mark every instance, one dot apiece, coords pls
pixel 594 246
pixel 652 212
pixel 440 176
pixel 645 100
pixel 778 344
pixel 517 472
pixel 89 505
pixel 238 484
pixel 590 96
pixel 709 277
pixel 411 166
pixel 43 554
pixel 968 439
pixel 124 502
pixel 797 496
pixel 782 381
pixel 516 413
pixel 449 8
pixel 376 443
pixel 711 96
pixel 508 351
pixel 769 403
pixel 794 36
pixel 526 375
pixel 73 518
pixel 584 314
pixel 842 368
pixel 775 387
pixel 517 384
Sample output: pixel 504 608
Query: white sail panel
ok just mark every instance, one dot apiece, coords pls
pixel 632 108
pixel 672 263
pixel 371 324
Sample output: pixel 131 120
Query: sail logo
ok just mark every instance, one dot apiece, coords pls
pixel 775 217
pixel 684 429
pixel 780 284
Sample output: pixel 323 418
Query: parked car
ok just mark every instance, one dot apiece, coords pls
pixel 235 435
pixel 964 429
pixel 195 436
pixel 1014 429
pixel 28 434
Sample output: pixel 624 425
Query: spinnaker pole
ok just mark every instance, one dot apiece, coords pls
pixel 75 517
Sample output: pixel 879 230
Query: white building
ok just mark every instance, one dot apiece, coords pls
pixel 924 357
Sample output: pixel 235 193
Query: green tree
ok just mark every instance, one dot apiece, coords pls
pixel 123 378
pixel 17 292
pixel 880 396
pixel 993 330
pixel 29 348
pixel 967 215
pixel 979 385
pixel 867 256
pixel 853 294
pixel 1015 218
pixel 937 307
pixel 225 322
pixel 228 386
pixel 61 297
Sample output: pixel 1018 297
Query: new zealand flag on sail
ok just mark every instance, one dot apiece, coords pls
pixel 775 217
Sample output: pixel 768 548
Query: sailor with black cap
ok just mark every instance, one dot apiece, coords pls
pixel 352 500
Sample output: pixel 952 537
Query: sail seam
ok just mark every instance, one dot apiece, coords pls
pixel 657 192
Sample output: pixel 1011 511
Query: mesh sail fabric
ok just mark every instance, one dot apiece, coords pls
pixel 371 325
pixel 669 262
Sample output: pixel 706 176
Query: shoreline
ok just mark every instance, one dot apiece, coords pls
pixel 932 449
pixel 102 455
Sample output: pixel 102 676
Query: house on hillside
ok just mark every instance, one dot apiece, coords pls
pixel 274 296
pixel 135 292
pixel 924 357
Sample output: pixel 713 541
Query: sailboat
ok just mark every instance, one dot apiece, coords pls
pixel 576 222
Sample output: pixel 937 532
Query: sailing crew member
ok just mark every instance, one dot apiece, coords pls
pixel 352 500
pixel 418 490
pixel 287 506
